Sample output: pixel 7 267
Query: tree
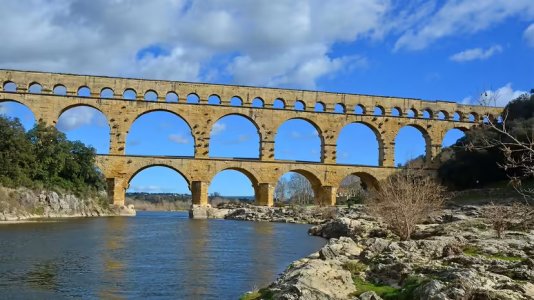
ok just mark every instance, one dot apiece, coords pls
pixel 16 157
pixel 281 190
pixel 300 189
pixel 405 199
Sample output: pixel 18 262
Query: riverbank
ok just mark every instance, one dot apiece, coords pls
pixel 454 255
pixel 25 205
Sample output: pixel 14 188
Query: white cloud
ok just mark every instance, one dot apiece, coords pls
pixel 218 128
pixel 499 97
pixel 3 109
pixel 458 17
pixel 251 42
pixel 178 138
pixel 146 189
pixel 476 53
pixel 528 35
pixel 80 116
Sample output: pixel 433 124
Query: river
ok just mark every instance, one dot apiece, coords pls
pixel 153 255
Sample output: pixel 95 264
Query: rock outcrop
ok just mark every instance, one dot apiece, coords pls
pixel 23 204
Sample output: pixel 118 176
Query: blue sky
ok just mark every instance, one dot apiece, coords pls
pixel 436 50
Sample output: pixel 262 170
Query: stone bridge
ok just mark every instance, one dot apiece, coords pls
pixel 123 100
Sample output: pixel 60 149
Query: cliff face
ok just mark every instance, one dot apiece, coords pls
pixel 22 204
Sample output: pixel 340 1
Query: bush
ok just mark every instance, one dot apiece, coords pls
pixel 406 199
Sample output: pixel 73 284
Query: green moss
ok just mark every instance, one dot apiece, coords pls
pixel 263 294
pixel 363 286
pixel 388 292
pixel 475 252
pixel 39 210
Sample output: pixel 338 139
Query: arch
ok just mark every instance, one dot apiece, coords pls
pixel 472 117
pixel 339 108
pixel 129 94
pixel 427 113
pixel 258 102
pixel 359 109
pixel 319 107
pixel 171 97
pixel 235 136
pixel 107 93
pixel 166 179
pixel 298 139
pixel 151 95
pixel 236 101
pixel 35 88
pixel 364 150
pixel 232 182
pixel 171 134
pixel 414 142
pixel 396 112
pixel 84 91
pixel 355 185
pixel 412 113
pixel 17 110
pixel 299 186
pixel 60 90
pixel 9 86
pixel 452 136
pixel 85 123
pixel 214 100
pixel 299 105
pixel 279 103
pixel 443 115
pixel 193 98
pixel 457 116
pixel 378 110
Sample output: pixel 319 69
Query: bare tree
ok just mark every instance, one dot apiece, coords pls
pixel 405 199
pixel 300 189
pixel 281 190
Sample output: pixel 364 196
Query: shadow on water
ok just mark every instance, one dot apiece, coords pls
pixel 43 276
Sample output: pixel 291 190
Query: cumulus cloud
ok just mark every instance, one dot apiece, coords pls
pixel 250 42
pixel 499 97
pixel 476 54
pixel 218 128
pixel 528 35
pixel 456 18
pixel 80 116
pixel 3 109
pixel 178 139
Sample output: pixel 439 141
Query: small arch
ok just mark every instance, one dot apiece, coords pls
pixel 236 101
pixel 171 97
pixel 60 90
pixel 396 112
pixel 279 103
pixel 9 86
pixel 359 109
pixel 299 105
pixel 378 111
pixel 106 93
pixel 443 115
pixel 35 88
pixel 427 114
pixel 472 117
pixel 84 91
pixel 339 108
pixel 319 107
pixel 412 113
pixel 257 102
pixel 193 98
pixel 151 95
pixel 214 100
pixel 457 116
pixel 129 94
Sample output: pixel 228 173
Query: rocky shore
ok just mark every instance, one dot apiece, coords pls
pixel 23 204
pixel 455 255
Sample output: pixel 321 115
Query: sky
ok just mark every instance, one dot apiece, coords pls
pixel 457 50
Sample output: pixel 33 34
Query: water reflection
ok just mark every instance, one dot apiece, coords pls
pixel 43 276
pixel 113 259
pixel 262 253
pixel 197 247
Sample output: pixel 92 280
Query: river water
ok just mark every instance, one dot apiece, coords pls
pixel 154 255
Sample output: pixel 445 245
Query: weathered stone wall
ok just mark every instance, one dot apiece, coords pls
pixel 121 113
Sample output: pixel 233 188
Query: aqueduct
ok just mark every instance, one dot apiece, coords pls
pixel 267 108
